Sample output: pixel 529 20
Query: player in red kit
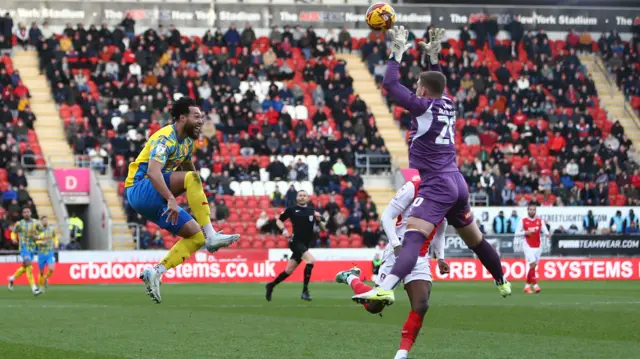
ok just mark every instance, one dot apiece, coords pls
pixel 532 228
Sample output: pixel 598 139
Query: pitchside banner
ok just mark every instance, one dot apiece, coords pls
pixel 590 245
pixel 263 271
pixel 222 15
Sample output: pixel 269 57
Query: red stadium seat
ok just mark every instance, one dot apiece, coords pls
pixel 257 243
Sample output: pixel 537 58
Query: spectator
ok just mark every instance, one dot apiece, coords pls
pixel 344 40
pixel 339 168
pixel 632 229
pixel 617 223
pixel 370 237
pixel 500 223
pixel 232 37
pixel 302 170
pixel 290 197
pixel 277 170
pixel 157 240
pixel 128 25
pixel 76 227
pixel 573 39
pixel 590 223
pixel 630 220
pixel 222 211
pixel 349 195
pixel 508 195
pixel 248 36
pixel 22 35
pixel 512 222
pixel 277 199
pixel 144 237
pixel 480 227
pixel 18 179
pixel 262 222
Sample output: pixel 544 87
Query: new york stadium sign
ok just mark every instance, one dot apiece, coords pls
pixel 222 15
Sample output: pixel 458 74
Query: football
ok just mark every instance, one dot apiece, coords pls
pixel 380 16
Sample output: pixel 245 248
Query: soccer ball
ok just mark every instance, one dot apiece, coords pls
pixel 380 16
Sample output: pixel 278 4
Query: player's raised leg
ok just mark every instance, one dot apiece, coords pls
pixel 418 235
pixel 25 268
pixel 474 239
pixel 191 183
pixel 351 278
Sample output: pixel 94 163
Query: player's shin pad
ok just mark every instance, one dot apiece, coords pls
pixel 197 199
pixel 182 250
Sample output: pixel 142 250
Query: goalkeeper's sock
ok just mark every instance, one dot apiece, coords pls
pixel 182 250
pixel 18 273
pixel 32 282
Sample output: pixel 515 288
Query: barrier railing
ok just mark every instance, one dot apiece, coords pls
pixel 59 207
pixel 80 161
pixel 373 164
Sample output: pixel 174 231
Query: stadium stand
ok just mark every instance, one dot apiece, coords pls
pixel 18 145
pixel 279 112
pixel 531 128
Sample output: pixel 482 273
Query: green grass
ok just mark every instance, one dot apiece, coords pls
pixel 466 320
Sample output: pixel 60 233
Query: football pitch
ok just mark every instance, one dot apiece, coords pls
pixel 466 320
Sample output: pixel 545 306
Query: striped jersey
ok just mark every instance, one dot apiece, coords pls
pixel 28 231
pixel 163 146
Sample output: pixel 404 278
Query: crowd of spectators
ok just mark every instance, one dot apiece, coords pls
pixel 16 137
pixel 530 129
pixel 281 95
pixel 622 58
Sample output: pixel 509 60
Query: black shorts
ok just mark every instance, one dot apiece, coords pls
pixel 298 250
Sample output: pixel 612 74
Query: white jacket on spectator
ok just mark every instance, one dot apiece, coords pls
pixel 135 70
pixel 523 83
pixel 572 168
pixel 112 68
pixel 298 112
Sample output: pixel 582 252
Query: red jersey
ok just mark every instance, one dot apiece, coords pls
pixel 532 228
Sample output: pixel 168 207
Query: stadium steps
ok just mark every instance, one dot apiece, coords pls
pixel 48 126
pixel 364 85
pixel 121 236
pixel 381 196
pixel 612 99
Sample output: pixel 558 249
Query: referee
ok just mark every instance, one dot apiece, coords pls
pixel 304 218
